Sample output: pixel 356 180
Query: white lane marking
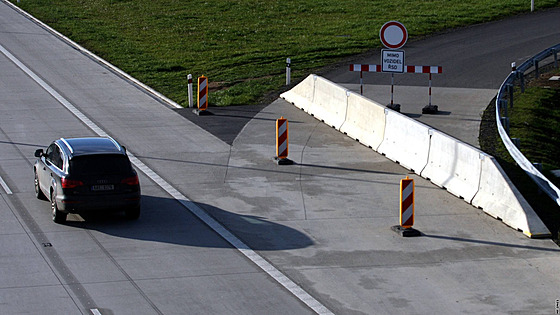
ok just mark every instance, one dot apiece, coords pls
pixel 258 260
pixel 5 186
pixel 95 311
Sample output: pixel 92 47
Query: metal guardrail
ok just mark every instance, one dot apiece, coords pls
pixel 505 93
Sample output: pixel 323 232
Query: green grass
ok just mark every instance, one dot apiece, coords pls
pixel 241 46
pixel 535 120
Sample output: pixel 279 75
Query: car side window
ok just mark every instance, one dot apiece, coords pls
pixel 54 156
pixel 49 155
pixel 57 158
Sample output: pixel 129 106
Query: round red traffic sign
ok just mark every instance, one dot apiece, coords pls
pixel 393 35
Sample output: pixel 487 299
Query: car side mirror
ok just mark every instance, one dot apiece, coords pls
pixel 39 153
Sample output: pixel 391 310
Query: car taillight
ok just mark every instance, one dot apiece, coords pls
pixel 132 181
pixel 70 183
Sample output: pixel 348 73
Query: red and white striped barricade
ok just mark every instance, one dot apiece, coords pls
pixel 282 142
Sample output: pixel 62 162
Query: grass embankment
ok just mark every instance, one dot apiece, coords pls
pixel 535 120
pixel 242 45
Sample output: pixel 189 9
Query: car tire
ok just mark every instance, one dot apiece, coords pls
pixel 132 213
pixel 38 193
pixel 57 216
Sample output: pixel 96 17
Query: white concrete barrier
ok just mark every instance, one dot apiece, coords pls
pixel 365 121
pixel 453 165
pixel 449 163
pixel 301 95
pixel 498 197
pixel 405 141
pixel 330 102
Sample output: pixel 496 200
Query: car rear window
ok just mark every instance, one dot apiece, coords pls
pixel 100 164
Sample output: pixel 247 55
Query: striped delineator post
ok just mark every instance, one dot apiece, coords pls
pixel 406 213
pixel 202 93
pixel 282 141
pixel 407 203
pixel 282 138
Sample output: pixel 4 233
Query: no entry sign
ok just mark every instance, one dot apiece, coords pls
pixel 393 35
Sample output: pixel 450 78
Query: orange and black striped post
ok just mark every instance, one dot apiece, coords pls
pixel 407 203
pixel 282 142
pixel 406 213
pixel 202 93
pixel 282 138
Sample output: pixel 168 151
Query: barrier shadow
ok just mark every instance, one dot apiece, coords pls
pixel 545 186
pixel 412 115
pixel 165 220
pixel 442 113
pixel 483 242
pixel 439 113
pixel 297 172
pixel 345 169
pixel 225 123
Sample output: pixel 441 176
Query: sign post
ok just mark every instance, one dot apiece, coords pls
pixel 393 35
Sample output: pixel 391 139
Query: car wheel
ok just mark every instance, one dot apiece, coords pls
pixel 38 193
pixel 57 216
pixel 132 213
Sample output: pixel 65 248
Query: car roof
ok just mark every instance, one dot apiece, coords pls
pixel 88 146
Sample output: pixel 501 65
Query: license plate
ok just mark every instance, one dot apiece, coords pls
pixel 102 187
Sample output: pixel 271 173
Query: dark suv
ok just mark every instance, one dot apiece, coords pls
pixel 86 174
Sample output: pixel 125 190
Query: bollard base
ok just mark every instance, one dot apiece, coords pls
pixel 283 161
pixel 395 107
pixel 202 112
pixel 430 109
pixel 406 232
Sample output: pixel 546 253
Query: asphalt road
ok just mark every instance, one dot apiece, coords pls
pixel 475 62
pixel 475 57
pixel 224 230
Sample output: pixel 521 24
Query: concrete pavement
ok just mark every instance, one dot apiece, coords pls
pixel 344 197
pixel 168 262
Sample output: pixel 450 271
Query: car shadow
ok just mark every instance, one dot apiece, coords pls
pixel 165 220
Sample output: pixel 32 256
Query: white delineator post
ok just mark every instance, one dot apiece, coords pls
pixel 190 90
pixel 288 71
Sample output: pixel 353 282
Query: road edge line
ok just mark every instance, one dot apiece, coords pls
pixel 257 259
